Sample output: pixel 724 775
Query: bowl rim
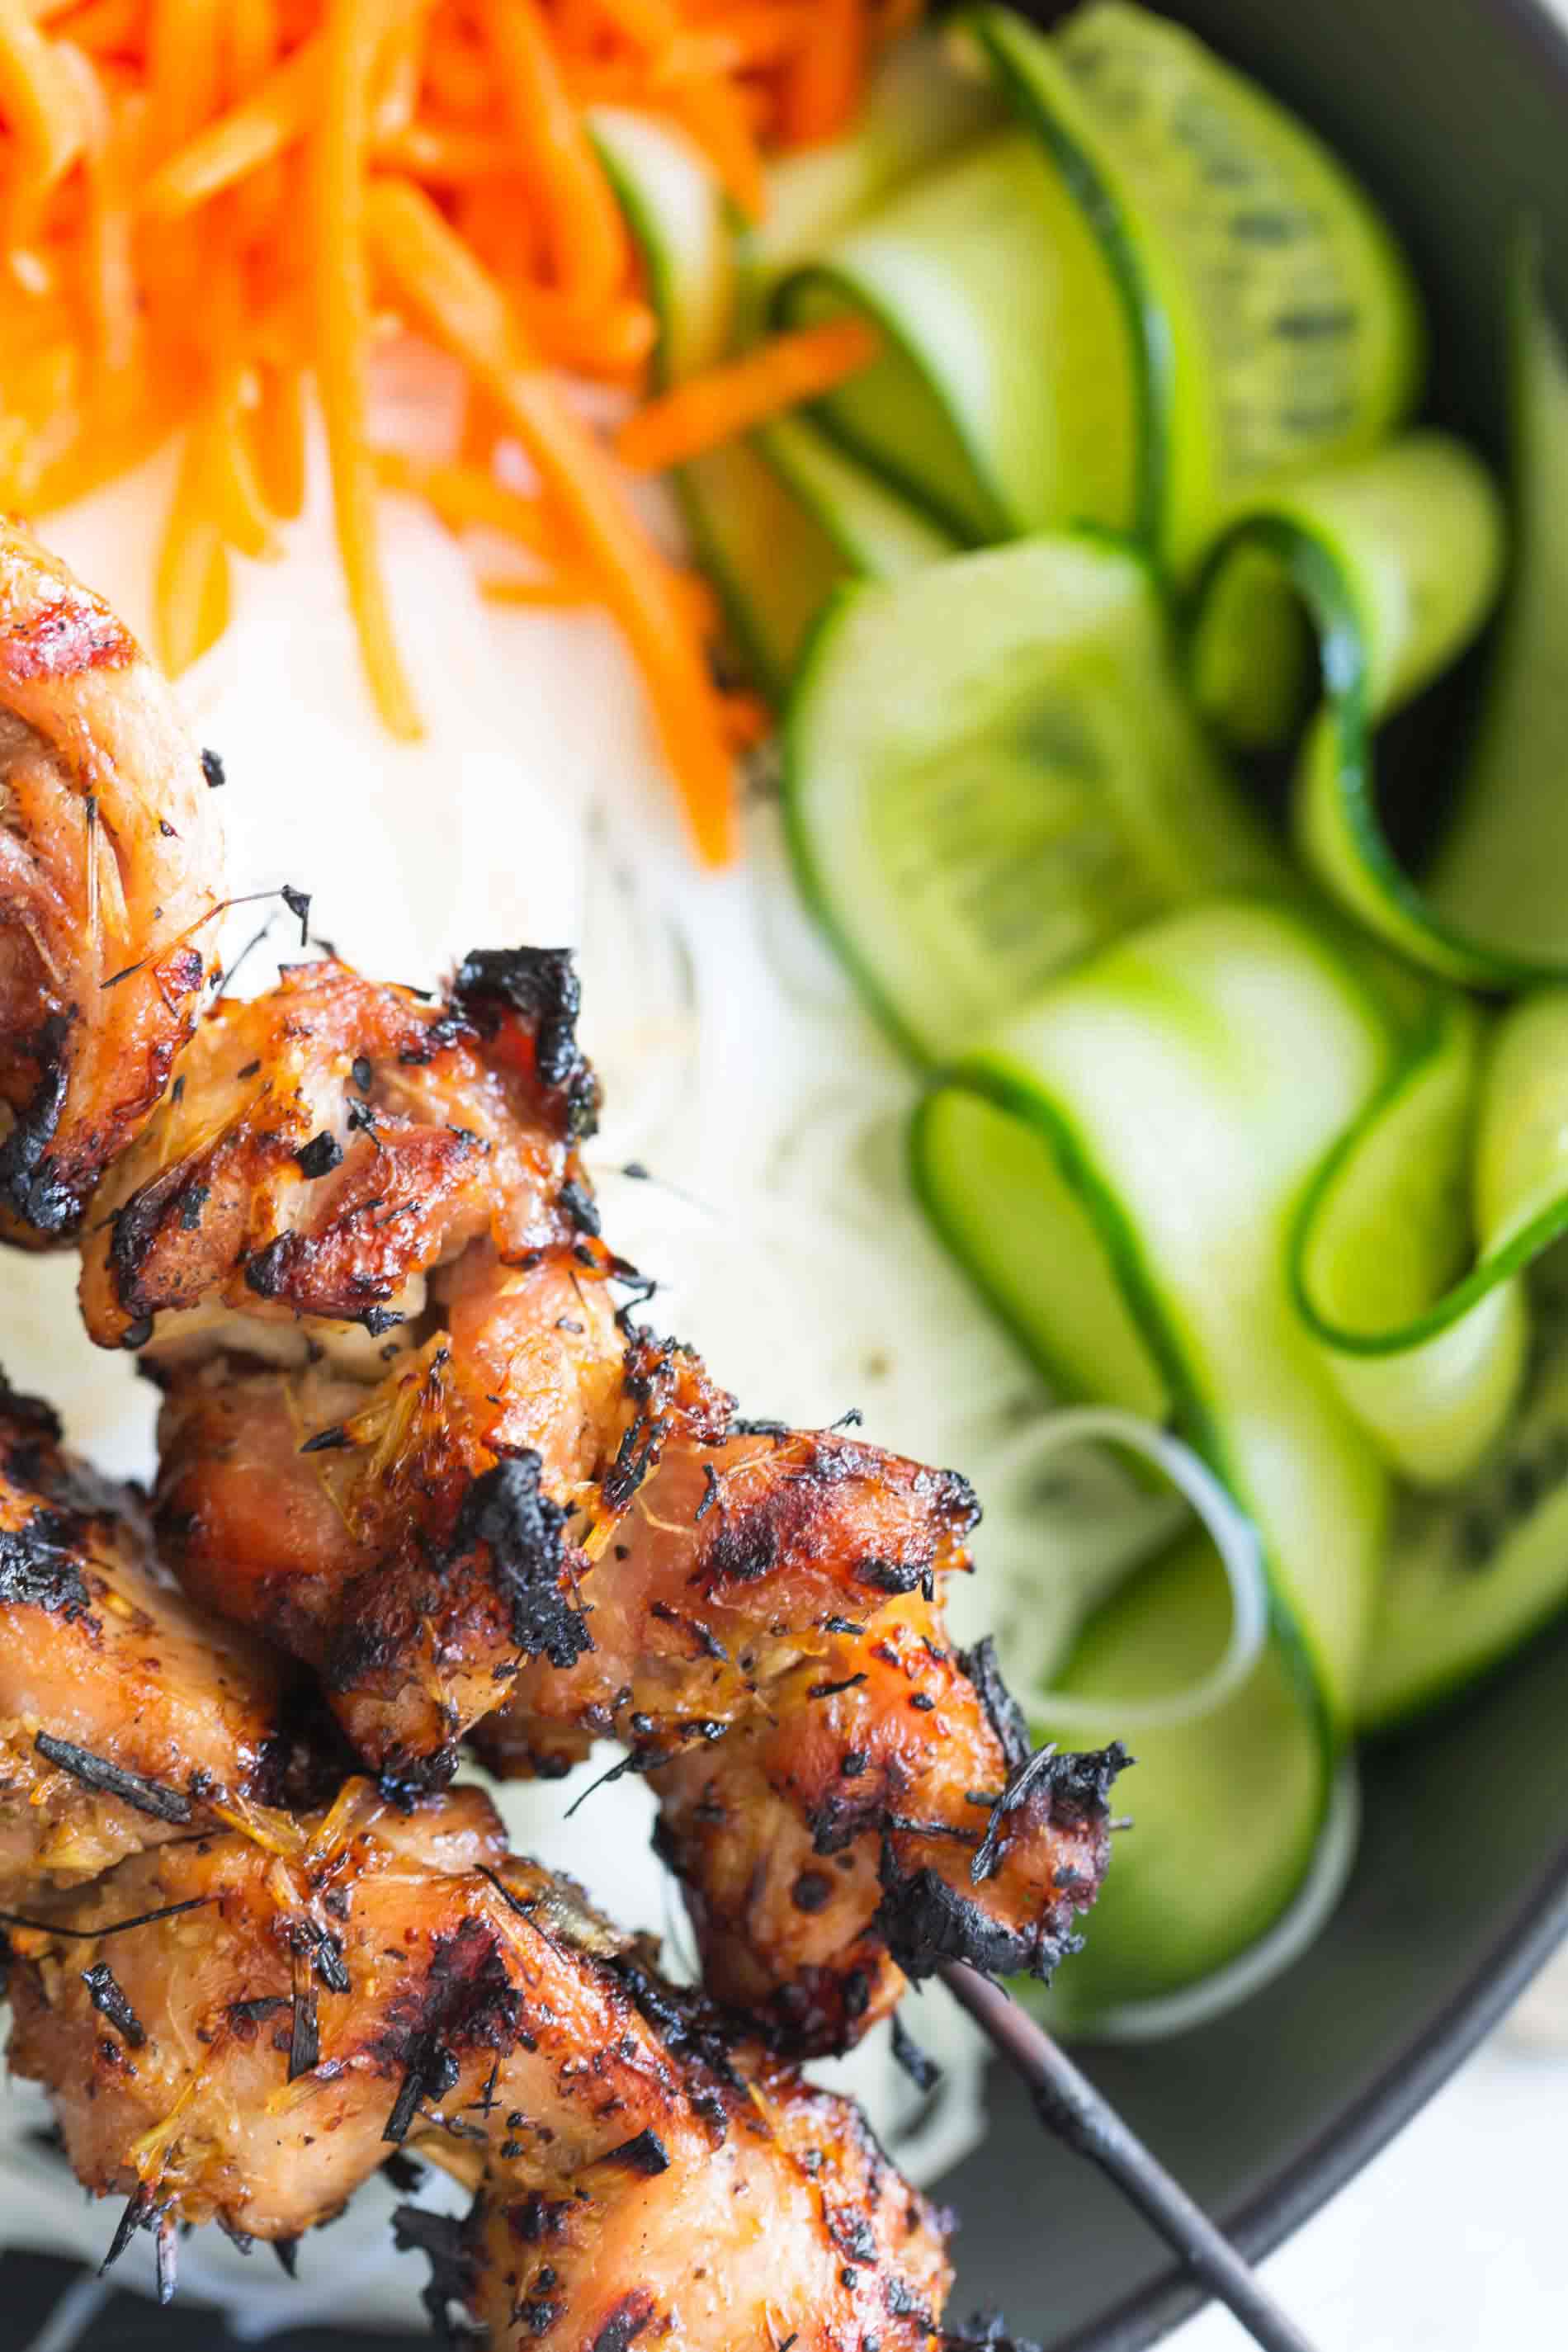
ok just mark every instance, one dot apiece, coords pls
pixel 1415 2069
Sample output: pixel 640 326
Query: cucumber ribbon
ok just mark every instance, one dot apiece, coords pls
pixel 1308 1201
pixel 1154 300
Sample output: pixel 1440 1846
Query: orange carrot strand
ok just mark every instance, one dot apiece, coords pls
pixel 352 35
pixel 589 248
pixel 727 401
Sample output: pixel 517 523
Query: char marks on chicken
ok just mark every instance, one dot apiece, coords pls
pixel 109 880
pixel 126 1716
pixel 633 2152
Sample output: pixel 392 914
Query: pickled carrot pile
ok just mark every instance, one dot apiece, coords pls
pixel 204 205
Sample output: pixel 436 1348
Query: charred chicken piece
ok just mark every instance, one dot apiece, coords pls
pixel 239 2055
pixel 415 1539
pixel 125 1718
pixel 883 1816
pixel 110 871
pixel 397 1979
pixel 538 1528
pixel 776 2217
pixel 329 1144
pixel 846 1798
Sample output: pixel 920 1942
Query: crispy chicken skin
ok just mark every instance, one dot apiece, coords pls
pixel 420 1536
pixel 759 1607
pixel 640 2161
pixel 327 1145
pixel 882 1815
pixel 109 869
pixel 124 1715
pixel 793 2225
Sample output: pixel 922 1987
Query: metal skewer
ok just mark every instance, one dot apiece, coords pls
pixel 1069 2107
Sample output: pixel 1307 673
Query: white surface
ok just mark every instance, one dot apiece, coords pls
pixel 1452 2239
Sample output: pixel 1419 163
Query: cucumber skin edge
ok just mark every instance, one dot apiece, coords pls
pixel 1330 1723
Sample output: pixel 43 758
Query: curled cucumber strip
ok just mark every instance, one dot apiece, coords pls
pixel 1272 322
pixel 1235 1542
pixel 991 769
pixel 1003 399
pixel 1396 562
pixel 1313 1904
pixel 780 518
pixel 1393 565
pixel 1409 1258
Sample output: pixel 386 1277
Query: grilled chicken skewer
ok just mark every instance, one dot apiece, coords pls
pixel 841 1788
pixel 125 1717
pixel 755 1615
pixel 383 1978
pixel 408 1438
pixel 108 879
pixel 535 1519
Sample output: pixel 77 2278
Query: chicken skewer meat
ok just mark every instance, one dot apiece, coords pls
pixel 277 2020
pixel 125 1717
pixel 108 879
pixel 409 1438
pixel 536 1518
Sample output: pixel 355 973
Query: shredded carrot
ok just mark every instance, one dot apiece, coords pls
pixel 748 722
pixel 612 343
pixel 192 192
pixel 465 497
pixel 730 400
pixel 277 438
pixel 240 504
pixel 275 114
pixel 454 299
pixel 354 30
pixel 447 157
pixel 714 112
pixel 823 85
pixel 590 252
pixel 38 104
pixel 561 587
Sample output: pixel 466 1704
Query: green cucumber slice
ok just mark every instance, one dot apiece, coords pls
pixel 1396 560
pixel 920 106
pixel 1189 1082
pixel 678 216
pixel 1502 871
pixel 990 770
pixel 1471 1571
pixel 1474 1572
pixel 772 563
pixel 1172 1171
pixel 779 519
pixel 1185 1085
pixel 1178 1902
pixel 1275 322
pixel 878 535
pixel 1004 398
pixel 1428 1349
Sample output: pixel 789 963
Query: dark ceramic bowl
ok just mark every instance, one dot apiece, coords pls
pixel 1456 114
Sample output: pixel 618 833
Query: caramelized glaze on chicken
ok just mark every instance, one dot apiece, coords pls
pixel 378 1979
pixel 327 1145
pixel 422 1536
pixel 109 867
pixel 125 1717
pixel 754 1615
